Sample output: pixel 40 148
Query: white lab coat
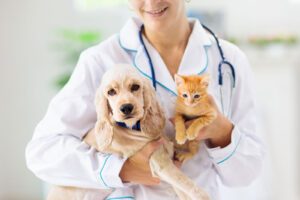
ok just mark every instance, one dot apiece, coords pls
pixel 57 155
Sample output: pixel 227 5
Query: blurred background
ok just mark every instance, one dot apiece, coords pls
pixel 40 42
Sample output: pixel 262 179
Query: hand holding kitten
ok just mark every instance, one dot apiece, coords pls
pixel 206 121
pixel 218 133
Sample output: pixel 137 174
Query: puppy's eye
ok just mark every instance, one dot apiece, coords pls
pixel 196 96
pixel 112 92
pixel 135 87
pixel 184 95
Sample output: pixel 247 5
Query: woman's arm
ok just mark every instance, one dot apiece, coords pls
pixel 238 154
pixel 233 144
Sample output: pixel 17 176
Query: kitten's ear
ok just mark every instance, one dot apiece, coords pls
pixel 178 79
pixel 205 80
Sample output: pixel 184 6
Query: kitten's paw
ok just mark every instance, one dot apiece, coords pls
pixel 191 134
pixel 184 156
pixel 180 139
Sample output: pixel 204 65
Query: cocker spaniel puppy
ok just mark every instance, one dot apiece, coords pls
pixel 126 99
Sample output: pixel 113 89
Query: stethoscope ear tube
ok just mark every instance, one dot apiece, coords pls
pixel 220 74
pixel 222 63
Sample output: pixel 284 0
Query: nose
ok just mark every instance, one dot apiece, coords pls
pixel 126 108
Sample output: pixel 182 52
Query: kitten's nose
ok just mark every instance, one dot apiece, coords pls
pixel 126 108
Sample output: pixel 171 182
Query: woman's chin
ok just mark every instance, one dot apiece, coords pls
pixel 157 26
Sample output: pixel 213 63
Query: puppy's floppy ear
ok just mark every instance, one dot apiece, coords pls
pixel 153 120
pixel 103 127
pixel 102 106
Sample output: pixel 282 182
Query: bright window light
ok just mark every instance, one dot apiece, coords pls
pixel 295 1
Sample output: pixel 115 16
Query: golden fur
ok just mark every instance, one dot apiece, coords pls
pixel 109 137
pixel 192 103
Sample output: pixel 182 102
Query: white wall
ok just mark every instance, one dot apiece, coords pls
pixel 255 17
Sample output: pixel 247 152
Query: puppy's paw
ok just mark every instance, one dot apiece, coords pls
pixel 184 156
pixel 199 193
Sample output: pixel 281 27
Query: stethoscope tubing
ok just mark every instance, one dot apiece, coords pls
pixel 222 63
pixel 148 56
pixel 223 59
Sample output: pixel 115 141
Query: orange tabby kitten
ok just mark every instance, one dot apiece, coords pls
pixel 192 103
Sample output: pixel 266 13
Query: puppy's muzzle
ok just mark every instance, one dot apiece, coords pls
pixel 126 108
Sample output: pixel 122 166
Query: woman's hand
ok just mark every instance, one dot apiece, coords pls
pixel 218 133
pixel 136 168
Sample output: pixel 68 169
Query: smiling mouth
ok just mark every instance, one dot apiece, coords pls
pixel 157 12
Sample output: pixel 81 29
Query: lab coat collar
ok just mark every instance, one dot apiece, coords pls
pixel 195 59
pixel 129 35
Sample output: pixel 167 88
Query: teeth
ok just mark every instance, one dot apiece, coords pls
pixel 158 11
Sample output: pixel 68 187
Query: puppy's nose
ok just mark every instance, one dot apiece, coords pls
pixel 126 108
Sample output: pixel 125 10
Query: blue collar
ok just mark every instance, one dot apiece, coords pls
pixel 137 126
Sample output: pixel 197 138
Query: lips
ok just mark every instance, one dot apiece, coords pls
pixel 157 13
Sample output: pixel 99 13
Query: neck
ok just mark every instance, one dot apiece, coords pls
pixel 175 37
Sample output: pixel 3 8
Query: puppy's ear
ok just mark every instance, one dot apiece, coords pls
pixel 147 94
pixel 103 127
pixel 153 120
pixel 102 106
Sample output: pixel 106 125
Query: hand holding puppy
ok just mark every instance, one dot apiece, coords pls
pixel 136 168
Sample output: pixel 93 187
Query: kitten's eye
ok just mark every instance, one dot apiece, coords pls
pixel 135 87
pixel 197 96
pixel 112 92
pixel 184 95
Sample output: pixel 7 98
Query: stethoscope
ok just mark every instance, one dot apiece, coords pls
pixel 221 73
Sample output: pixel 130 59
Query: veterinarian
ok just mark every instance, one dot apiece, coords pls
pixel 170 43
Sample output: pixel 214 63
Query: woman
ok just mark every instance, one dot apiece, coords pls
pixel 230 148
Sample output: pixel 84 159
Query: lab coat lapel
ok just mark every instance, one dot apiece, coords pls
pixel 195 59
pixel 129 41
pixel 129 35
